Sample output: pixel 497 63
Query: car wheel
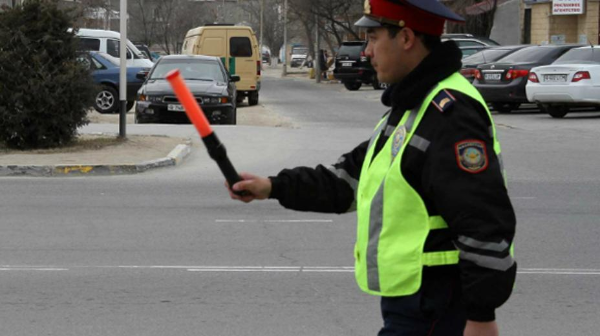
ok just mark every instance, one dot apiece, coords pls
pixel 106 100
pixel 130 105
pixel 352 86
pixel 253 98
pixel 505 107
pixel 231 118
pixel 376 84
pixel 558 111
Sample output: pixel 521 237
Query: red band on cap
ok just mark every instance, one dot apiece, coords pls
pixel 407 16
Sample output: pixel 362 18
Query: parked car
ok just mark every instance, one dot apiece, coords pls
pixel 572 80
pixel 106 73
pixel 266 57
pixel 146 51
pixel 108 42
pixel 353 68
pixel 470 44
pixel 206 77
pixel 486 56
pixel 298 56
pixel 502 83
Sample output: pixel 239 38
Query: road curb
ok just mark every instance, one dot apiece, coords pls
pixel 174 158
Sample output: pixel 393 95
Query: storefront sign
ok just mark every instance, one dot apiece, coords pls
pixel 568 7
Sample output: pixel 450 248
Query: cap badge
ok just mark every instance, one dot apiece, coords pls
pixel 401 23
pixel 367 7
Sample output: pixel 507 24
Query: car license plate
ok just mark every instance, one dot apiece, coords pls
pixel 175 108
pixel 555 78
pixel 346 64
pixel 493 76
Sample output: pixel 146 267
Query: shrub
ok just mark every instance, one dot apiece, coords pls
pixel 44 91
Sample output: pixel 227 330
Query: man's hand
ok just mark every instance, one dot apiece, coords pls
pixel 256 187
pixel 481 329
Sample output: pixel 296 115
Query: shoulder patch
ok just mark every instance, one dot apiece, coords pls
pixel 471 156
pixel 443 101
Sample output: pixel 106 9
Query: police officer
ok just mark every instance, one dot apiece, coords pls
pixel 435 223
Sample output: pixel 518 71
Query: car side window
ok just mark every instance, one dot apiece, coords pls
pixel 112 48
pixel 240 47
pixel 89 44
pixel 96 65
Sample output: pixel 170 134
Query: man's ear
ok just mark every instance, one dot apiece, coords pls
pixel 408 38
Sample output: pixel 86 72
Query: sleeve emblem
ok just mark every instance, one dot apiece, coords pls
pixel 471 156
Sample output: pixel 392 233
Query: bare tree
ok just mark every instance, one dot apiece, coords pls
pixel 272 21
pixel 479 16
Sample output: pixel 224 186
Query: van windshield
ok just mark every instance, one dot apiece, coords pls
pixel 190 69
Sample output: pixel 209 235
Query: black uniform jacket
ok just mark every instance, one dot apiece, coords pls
pixel 472 200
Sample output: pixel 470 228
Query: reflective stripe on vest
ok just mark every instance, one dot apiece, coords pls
pixel 393 222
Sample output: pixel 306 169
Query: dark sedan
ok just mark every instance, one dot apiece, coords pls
pixel 205 76
pixel 493 54
pixel 502 84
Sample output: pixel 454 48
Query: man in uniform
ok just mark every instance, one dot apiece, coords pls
pixel 435 223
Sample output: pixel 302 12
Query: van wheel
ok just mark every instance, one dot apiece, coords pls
pixel 352 86
pixel 558 111
pixel 106 100
pixel 253 98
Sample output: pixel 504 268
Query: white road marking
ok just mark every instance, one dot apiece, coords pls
pixel 274 221
pixel 274 269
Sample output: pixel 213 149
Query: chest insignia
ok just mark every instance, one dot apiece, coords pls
pixel 399 137
pixel 471 156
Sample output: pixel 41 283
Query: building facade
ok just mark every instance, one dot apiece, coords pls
pixel 564 21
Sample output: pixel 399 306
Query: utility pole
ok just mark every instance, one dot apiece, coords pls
pixel 285 42
pixel 123 71
pixel 317 59
pixel 262 14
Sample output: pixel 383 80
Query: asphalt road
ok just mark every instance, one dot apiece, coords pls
pixel 167 253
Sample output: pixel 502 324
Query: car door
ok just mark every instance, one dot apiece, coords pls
pixel 242 61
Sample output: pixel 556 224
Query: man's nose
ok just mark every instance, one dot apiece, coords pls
pixel 369 50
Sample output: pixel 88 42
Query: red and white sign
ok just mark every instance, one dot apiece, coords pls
pixel 568 7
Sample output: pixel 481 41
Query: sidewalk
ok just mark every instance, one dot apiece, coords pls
pixel 106 155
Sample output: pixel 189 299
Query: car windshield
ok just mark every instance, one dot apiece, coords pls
pixel 300 51
pixel 351 50
pixel 190 69
pixel 585 55
pixel 485 56
pixel 529 54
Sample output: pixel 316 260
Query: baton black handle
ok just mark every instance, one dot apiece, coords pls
pixel 217 152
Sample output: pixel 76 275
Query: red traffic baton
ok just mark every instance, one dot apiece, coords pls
pixel 215 148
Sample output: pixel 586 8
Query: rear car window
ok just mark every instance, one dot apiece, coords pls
pixel 530 54
pixel 240 47
pixel 587 55
pixel 351 50
pixel 462 43
pixel 89 44
pixel 485 56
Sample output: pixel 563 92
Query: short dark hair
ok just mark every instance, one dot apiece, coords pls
pixel 429 41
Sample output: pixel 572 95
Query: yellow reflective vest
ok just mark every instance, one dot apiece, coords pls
pixel 393 222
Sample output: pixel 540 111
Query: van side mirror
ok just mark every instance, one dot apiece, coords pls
pixel 235 78
pixel 141 75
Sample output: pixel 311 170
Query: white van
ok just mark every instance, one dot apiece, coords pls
pixel 107 41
